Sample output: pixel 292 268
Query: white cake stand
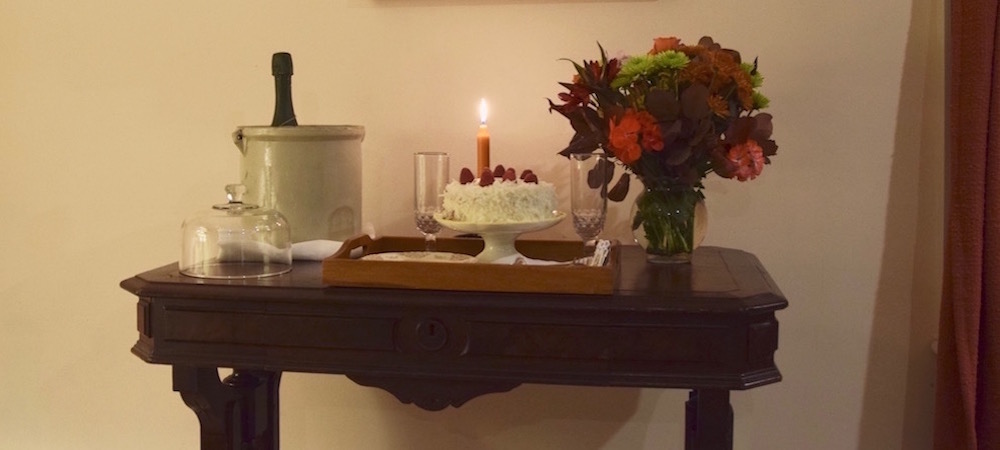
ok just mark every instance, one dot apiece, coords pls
pixel 499 237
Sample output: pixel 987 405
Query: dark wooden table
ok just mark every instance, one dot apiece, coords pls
pixel 709 327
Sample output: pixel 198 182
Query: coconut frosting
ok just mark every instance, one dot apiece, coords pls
pixel 501 202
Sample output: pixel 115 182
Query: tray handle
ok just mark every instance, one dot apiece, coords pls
pixel 361 240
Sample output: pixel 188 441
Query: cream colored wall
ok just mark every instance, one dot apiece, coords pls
pixel 114 125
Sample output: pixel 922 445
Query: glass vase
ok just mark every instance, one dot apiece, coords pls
pixel 669 223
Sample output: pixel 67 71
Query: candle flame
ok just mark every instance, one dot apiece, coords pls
pixel 482 111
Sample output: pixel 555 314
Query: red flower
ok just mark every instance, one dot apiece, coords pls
pixel 632 133
pixel 611 70
pixel 624 138
pixel 594 68
pixel 651 137
pixel 599 73
pixel 747 160
pixel 578 95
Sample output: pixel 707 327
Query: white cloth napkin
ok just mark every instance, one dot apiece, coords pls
pixel 320 249
pixel 316 250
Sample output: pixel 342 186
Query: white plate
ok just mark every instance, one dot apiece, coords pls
pixel 442 257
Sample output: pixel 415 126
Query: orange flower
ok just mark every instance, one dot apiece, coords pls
pixel 748 159
pixel 624 138
pixel 745 91
pixel 699 70
pixel 718 105
pixel 662 44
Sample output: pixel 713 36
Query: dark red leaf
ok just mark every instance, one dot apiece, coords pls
pixel 620 190
pixel 609 170
pixel 582 143
pixel 762 127
pixel 694 102
pixel 678 153
pixel 662 105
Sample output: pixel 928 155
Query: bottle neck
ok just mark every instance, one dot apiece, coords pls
pixel 284 113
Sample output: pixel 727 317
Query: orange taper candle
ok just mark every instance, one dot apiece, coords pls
pixel 482 141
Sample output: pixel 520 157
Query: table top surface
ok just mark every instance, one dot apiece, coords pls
pixel 718 280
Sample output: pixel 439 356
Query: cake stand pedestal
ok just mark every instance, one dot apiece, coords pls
pixel 499 238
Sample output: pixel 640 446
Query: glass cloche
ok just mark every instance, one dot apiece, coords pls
pixel 236 240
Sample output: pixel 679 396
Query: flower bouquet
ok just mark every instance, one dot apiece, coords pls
pixel 669 117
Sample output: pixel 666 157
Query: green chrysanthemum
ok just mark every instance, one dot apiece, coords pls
pixel 646 66
pixel 632 68
pixel 760 101
pixel 669 60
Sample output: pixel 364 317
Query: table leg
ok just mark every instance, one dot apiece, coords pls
pixel 238 413
pixel 709 420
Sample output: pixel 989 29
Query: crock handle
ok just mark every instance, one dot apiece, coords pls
pixel 240 141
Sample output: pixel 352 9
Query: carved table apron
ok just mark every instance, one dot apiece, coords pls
pixel 708 326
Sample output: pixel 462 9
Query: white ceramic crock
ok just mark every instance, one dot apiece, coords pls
pixel 311 174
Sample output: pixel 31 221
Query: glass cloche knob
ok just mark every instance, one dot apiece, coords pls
pixel 234 192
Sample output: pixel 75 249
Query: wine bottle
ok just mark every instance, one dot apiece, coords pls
pixel 281 68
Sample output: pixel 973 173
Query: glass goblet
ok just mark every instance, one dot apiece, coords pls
pixel 430 176
pixel 589 174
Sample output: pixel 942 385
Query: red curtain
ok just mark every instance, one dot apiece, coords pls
pixel 968 375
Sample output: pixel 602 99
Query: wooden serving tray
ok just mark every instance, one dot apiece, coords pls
pixel 341 270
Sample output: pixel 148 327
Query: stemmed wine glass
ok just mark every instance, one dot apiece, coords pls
pixel 430 176
pixel 589 175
